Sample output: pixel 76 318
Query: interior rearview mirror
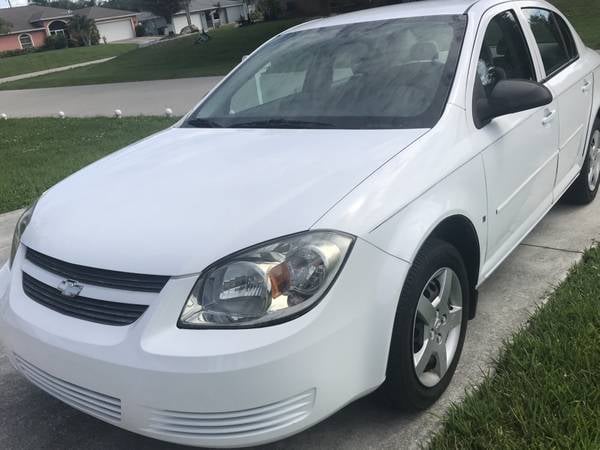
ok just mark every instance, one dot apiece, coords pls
pixel 512 96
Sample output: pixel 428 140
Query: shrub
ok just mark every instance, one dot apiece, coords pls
pixel 140 31
pixel 18 52
pixel 255 16
pixel 189 29
pixel 245 21
pixel 270 9
pixel 56 42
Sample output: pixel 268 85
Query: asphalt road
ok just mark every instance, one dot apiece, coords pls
pixel 31 419
pixel 133 99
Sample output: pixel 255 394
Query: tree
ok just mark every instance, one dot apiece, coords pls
pixel 270 9
pixel 163 8
pixel 4 26
pixel 83 31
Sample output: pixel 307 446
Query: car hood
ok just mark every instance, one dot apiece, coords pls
pixel 178 201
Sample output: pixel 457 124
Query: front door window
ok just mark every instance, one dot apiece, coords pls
pixel 504 56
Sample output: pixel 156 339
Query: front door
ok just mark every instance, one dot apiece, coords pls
pixel 521 150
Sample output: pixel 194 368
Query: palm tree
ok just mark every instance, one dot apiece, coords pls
pixel 83 30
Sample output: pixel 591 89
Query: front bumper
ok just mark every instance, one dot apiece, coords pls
pixel 219 388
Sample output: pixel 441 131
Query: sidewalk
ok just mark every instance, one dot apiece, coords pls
pixel 56 69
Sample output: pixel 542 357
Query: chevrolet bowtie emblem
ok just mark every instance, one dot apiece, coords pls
pixel 70 288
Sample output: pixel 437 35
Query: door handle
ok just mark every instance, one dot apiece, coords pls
pixel 586 87
pixel 549 118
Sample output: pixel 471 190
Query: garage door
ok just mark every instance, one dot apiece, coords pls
pixel 116 30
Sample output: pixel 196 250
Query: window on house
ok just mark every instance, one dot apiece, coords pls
pixel 26 42
pixel 57 28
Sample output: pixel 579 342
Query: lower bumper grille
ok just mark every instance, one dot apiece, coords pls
pixel 249 422
pixel 86 400
pixel 99 311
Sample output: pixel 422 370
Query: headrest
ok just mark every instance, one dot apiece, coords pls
pixel 424 51
pixel 502 48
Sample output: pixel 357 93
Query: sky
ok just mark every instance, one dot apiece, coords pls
pixel 4 3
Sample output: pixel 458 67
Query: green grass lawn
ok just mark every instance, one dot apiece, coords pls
pixel 179 58
pixel 546 390
pixel 37 153
pixel 585 16
pixel 35 62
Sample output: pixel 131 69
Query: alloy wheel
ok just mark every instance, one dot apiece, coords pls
pixel 437 326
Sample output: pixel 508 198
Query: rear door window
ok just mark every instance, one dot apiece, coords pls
pixel 557 51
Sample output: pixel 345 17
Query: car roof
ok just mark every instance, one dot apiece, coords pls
pixel 410 9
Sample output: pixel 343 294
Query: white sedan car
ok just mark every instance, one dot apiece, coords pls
pixel 316 229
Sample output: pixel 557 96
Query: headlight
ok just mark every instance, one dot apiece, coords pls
pixel 22 224
pixel 267 284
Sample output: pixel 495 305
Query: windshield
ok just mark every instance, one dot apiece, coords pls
pixel 385 74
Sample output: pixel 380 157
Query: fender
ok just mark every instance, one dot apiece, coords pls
pixel 442 170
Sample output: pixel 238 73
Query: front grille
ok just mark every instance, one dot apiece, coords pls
pixel 91 402
pixel 99 277
pixel 99 311
pixel 249 422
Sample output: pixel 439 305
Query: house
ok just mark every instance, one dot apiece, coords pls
pixel 30 25
pixel 207 14
pixel 112 24
pixel 153 24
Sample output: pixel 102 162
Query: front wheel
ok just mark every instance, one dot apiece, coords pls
pixel 429 330
pixel 585 188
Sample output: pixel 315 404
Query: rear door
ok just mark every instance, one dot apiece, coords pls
pixel 567 76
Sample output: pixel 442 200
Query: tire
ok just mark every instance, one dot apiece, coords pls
pixel 585 188
pixel 414 387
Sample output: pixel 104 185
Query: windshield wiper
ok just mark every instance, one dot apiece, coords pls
pixel 203 123
pixel 282 123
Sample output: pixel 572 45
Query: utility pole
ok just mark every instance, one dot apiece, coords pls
pixel 188 15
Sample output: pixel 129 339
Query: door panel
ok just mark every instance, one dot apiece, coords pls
pixel 570 82
pixel 521 150
pixel 575 103
pixel 520 169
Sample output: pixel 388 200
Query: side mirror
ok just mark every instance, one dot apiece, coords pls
pixel 512 96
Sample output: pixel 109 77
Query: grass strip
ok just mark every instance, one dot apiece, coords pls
pixel 37 153
pixel 545 393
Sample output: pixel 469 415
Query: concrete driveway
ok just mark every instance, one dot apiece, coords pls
pixel 31 419
pixel 149 98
